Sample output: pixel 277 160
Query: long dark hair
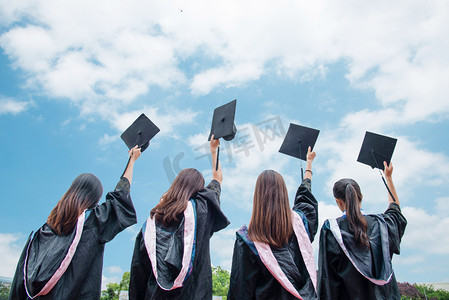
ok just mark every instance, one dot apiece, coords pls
pixel 174 201
pixel 349 191
pixel 271 221
pixel 84 193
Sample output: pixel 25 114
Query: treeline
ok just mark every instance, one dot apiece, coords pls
pixel 220 284
pixel 421 291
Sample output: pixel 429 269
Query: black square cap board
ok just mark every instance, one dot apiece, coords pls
pixel 139 133
pixel 223 122
pixel 376 149
pixel 297 141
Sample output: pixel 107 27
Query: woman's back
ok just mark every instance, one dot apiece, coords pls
pixel 171 257
pixel 82 279
pixel 64 258
pixel 277 263
pixel 356 250
pixel 198 285
pixel 344 277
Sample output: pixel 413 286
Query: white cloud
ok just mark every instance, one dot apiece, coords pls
pixel 222 246
pixel 340 147
pixel 107 139
pixel 114 270
pixel 133 231
pixel 108 279
pixel 83 50
pixel 412 260
pixel 11 106
pixel 442 208
pixel 10 251
pixel 165 120
pixel 425 232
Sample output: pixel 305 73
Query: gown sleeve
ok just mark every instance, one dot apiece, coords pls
pixel 329 283
pixel 396 224
pixel 17 291
pixel 244 272
pixel 306 202
pixel 116 213
pixel 140 270
pixel 211 195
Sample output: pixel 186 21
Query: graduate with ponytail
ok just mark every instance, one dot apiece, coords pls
pixel 356 249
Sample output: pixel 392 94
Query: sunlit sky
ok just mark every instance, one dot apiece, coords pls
pixel 75 74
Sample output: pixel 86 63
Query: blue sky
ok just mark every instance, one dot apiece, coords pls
pixel 75 74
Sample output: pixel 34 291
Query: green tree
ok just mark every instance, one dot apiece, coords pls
pixel 124 283
pixel 4 292
pixel 113 289
pixel 220 281
pixel 421 291
pixel 432 293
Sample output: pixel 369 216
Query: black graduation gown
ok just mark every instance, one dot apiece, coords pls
pixel 250 279
pixel 82 279
pixel 209 219
pixel 337 276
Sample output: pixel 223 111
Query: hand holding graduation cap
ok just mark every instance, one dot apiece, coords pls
pixel 388 169
pixel 310 157
pixel 214 144
pixel 134 153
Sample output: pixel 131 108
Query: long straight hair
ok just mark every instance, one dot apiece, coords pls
pixel 174 201
pixel 84 193
pixel 349 191
pixel 271 221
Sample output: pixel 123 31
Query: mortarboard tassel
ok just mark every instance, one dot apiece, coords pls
pixel 218 154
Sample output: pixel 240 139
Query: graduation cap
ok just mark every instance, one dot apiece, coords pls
pixel 223 124
pixel 375 150
pixel 297 141
pixel 139 134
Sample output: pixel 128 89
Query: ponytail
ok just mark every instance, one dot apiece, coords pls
pixel 349 191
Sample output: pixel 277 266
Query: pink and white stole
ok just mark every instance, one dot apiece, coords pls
pixel 189 237
pixel 335 229
pixel 305 246
pixel 64 264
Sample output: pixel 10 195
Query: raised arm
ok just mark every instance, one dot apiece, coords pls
pixel 216 174
pixel 304 199
pixel 388 171
pixel 134 154
pixel 117 212
pixel 310 157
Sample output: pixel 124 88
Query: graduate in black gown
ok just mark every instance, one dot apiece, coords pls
pixel 64 259
pixel 273 257
pixel 171 257
pixel 356 249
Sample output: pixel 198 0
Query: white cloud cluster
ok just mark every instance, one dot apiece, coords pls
pixel 426 232
pixel 83 50
pixel 11 106
pixel 222 246
pixel 10 250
